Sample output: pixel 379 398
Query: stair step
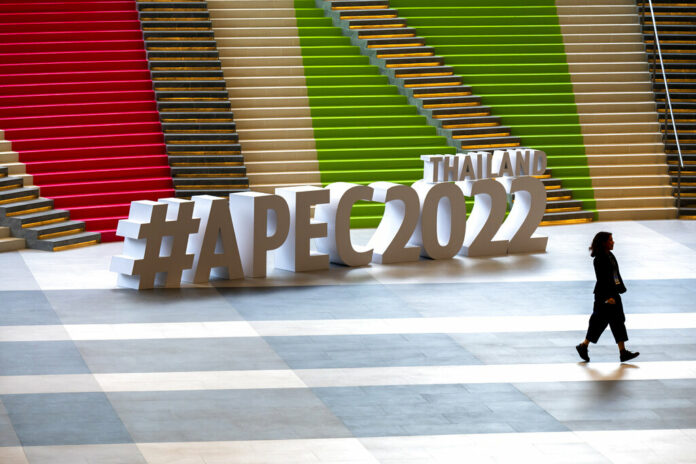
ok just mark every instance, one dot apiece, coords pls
pixel 172 138
pixel 66 242
pixel 25 207
pixel 12 244
pixel 58 229
pixel 208 171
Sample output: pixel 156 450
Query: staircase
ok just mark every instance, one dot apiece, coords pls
pixel 261 60
pixel 26 219
pixel 676 25
pixel 310 108
pixel 425 76
pixel 199 129
pixel 76 101
pixel 623 144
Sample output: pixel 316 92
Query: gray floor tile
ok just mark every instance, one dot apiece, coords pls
pixel 615 405
pixel 129 306
pixel 226 415
pixel 370 351
pixel 65 419
pixel 28 307
pixel 34 358
pixel 320 302
pixel 179 355
pixel 8 436
pixel 559 347
pixel 475 413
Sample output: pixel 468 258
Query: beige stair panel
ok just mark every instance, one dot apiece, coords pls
pixel 607 96
pixel 264 61
pixel 626 127
pixel 636 76
pixel 621 180
pixel 634 191
pixel 576 3
pixel 269 102
pixel 619 88
pixel 280 155
pixel 619 107
pixel 277 71
pixel 12 244
pixel 273 123
pixel 580 11
pixel 597 119
pixel 282 134
pixel 628 170
pixel 250 4
pixel 257 42
pixel 602 38
pixel 230 11
pixel 637 202
pixel 253 50
pixel 302 178
pixel 9 243
pixel 257 113
pixel 267 92
pixel 604 56
pixel 255 31
pixel 283 166
pixel 627 138
pixel 605 47
pixel 636 66
pixel 632 28
pixel 618 160
pixel 278 144
pixel 8 157
pixel 636 214
pixel 5 145
pixel 624 148
pixel 254 22
pixel 265 81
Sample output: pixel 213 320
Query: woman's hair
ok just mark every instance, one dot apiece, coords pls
pixel 599 243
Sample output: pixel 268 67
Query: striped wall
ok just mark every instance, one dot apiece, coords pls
pixel 311 109
pixel 616 107
pixel 262 60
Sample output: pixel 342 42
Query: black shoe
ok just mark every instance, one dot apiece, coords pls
pixel 626 355
pixel 582 351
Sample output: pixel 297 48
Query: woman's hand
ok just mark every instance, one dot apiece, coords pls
pixel 610 301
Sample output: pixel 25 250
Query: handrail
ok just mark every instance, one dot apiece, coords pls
pixel 657 50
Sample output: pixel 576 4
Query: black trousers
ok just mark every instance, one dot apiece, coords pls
pixel 604 314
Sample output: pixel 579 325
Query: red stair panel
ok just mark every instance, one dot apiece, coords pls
pixel 77 119
pixel 76 101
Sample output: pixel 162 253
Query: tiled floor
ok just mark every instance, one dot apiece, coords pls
pixel 469 360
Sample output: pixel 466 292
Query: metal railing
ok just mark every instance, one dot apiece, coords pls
pixel 669 115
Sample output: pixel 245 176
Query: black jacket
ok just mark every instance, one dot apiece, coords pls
pixel 609 282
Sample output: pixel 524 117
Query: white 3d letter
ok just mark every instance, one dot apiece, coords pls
pixel 295 255
pixel 401 212
pixel 262 222
pixel 215 245
pixel 336 214
pixel 443 219
pixel 526 214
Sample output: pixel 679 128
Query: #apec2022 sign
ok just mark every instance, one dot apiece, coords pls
pixel 173 239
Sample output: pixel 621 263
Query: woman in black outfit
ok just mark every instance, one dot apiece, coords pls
pixel 607 302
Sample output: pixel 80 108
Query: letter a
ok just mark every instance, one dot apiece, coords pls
pixel 215 244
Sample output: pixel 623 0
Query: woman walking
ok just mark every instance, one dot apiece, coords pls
pixel 608 309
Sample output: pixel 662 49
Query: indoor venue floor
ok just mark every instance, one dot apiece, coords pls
pixel 466 360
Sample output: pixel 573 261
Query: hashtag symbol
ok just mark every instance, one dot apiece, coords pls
pixel 155 239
